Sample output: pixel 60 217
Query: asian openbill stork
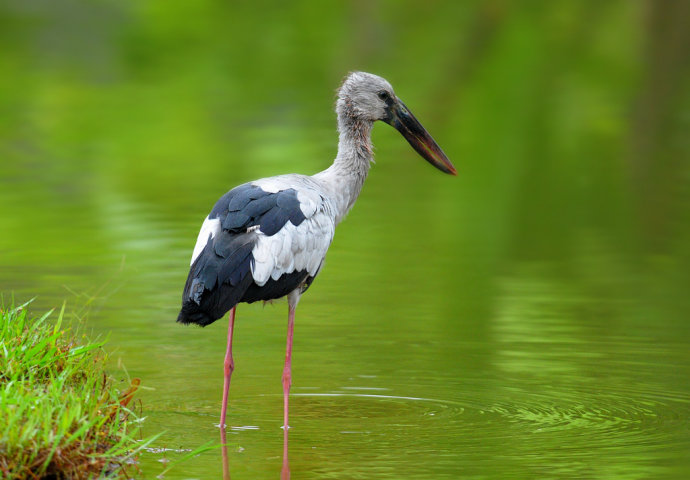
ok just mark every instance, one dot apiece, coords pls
pixel 268 238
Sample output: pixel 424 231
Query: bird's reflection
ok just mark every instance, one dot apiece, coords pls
pixel 284 471
pixel 224 450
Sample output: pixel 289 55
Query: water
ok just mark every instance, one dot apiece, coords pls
pixel 527 319
pixel 399 368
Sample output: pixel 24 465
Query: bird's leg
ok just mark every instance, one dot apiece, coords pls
pixel 287 371
pixel 229 366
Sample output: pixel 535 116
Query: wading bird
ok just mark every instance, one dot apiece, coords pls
pixel 268 238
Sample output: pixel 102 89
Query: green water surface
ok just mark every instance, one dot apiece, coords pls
pixel 528 318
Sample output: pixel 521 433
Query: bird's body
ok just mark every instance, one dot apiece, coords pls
pixel 268 238
pixel 261 241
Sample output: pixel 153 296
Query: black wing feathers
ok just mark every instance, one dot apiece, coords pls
pixel 249 205
pixel 220 277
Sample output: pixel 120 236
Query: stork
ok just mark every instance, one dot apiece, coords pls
pixel 268 238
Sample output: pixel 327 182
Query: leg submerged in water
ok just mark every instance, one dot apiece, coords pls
pixel 293 299
pixel 228 367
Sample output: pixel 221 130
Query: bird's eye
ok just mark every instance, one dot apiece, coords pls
pixel 383 95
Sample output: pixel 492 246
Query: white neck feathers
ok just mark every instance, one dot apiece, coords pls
pixel 345 177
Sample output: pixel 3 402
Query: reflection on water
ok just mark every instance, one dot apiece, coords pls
pixel 507 429
pixel 224 453
pixel 284 470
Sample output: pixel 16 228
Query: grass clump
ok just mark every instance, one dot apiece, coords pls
pixel 62 417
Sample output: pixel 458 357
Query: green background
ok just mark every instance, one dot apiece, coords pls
pixel 526 319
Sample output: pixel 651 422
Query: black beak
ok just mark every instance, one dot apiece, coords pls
pixel 413 131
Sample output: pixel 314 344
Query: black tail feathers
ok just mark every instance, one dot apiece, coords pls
pixel 212 304
pixel 192 313
pixel 217 279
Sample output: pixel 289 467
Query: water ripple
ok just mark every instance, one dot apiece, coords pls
pixel 597 419
pixel 402 408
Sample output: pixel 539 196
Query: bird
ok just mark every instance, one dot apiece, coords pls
pixel 268 238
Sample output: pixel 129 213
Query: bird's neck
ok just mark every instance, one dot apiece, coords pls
pixel 345 178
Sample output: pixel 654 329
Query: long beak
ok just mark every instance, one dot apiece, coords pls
pixel 417 136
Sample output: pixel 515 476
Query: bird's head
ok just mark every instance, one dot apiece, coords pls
pixel 364 96
pixel 367 97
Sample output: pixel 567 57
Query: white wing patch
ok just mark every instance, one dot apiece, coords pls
pixel 307 190
pixel 272 184
pixel 209 227
pixel 293 248
pixel 308 202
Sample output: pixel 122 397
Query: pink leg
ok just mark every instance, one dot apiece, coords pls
pixel 287 371
pixel 229 366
